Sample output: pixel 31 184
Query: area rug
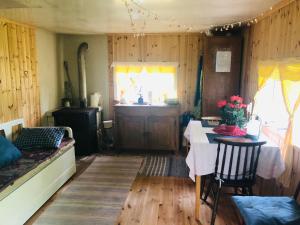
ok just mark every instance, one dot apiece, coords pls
pixel 164 165
pixel 96 196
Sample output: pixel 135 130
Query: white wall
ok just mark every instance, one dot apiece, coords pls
pixel 47 68
pixel 96 64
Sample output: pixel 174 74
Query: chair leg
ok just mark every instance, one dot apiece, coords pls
pixel 215 208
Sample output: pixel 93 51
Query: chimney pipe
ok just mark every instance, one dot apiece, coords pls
pixel 82 74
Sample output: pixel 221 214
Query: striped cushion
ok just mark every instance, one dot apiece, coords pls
pixel 39 138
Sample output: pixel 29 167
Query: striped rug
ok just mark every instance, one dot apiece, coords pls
pixel 96 196
pixel 164 165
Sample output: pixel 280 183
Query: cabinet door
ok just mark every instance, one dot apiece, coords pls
pixel 161 132
pixel 131 131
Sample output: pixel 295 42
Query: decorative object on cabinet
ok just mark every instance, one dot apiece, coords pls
pixel 83 122
pixel 147 127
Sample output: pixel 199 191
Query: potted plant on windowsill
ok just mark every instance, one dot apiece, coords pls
pixel 233 116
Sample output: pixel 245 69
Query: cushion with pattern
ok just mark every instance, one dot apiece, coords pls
pixel 40 138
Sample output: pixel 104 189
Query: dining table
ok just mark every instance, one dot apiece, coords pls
pixel 202 154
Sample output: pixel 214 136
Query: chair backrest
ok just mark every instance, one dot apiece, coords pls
pixel 211 118
pixel 237 159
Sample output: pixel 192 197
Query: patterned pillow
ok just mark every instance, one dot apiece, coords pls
pixel 39 138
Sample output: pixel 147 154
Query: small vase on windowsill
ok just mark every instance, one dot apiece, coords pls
pixel 141 100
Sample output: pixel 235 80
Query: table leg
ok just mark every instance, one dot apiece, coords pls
pixel 197 200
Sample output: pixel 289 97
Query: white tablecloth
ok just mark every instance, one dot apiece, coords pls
pixel 202 155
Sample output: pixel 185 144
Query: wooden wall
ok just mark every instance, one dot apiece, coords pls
pixel 275 36
pixel 19 85
pixel 182 48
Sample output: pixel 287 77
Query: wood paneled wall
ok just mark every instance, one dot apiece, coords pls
pixel 276 36
pixel 182 48
pixel 19 85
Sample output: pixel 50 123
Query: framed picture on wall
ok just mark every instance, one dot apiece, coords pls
pixel 223 61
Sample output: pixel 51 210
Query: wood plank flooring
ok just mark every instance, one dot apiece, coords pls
pixel 158 201
pixel 169 201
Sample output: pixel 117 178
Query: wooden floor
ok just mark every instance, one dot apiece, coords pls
pixel 158 201
pixel 81 166
pixel 169 201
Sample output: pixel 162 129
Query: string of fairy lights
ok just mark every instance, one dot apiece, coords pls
pixel 139 16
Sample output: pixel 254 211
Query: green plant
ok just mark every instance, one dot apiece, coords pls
pixel 233 112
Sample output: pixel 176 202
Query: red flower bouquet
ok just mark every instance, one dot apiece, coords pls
pixel 233 117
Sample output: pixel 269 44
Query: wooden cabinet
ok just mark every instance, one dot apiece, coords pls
pixel 147 127
pixel 129 125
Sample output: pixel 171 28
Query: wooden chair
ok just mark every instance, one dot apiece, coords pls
pixel 258 210
pixel 236 164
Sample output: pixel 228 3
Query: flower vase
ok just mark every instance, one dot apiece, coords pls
pixel 231 128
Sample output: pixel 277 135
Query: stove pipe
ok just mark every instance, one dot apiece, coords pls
pixel 82 74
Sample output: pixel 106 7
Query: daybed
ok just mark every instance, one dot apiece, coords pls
pixel 39 178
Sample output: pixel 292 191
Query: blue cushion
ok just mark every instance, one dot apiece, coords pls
pixel 8 152
pixel 268 210
pixel 39 138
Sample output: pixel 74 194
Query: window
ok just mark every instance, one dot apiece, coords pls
pixel 271 107
pixel 154 83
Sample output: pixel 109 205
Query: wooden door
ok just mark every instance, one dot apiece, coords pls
pixel 161 132
pixel 131 132
pixel 220 85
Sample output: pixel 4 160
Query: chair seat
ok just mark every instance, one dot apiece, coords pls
pixel 268 210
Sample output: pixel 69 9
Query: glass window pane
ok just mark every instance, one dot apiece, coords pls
pixel 153 85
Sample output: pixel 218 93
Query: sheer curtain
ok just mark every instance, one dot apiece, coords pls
pixel 290 83
pixel 278 98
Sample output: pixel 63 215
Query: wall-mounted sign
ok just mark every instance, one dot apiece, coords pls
pixel 223 61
